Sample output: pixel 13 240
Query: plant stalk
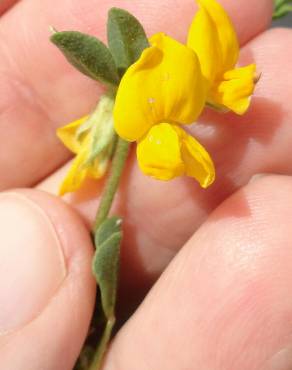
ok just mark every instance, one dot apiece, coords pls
pixel 111 187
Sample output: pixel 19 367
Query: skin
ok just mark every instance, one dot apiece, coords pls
pixel 224 301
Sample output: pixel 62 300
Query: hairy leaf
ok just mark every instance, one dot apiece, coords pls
pixel 89 55
pixel 106 262
pixel 126 38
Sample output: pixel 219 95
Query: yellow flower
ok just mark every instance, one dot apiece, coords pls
pixel 91 138
pixel 162 90
pixel 213 38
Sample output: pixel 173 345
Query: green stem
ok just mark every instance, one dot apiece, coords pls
pixel 118 163
pixel 99 354
pixel 111 187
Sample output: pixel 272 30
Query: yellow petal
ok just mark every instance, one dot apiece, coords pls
pixel 234 92
pixel 165 84
pixel 67 134
pixel 203 39
pixel 159 153
pixel 213 38
pixel 76 174
pixel 98 167
pixel 198 163
pixel 167 151
pixel 80 170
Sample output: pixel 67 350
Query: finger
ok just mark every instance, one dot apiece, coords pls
pixel 224 302
pixel 5 5
pixel 241 147
pixel 46 287
pixel 40 91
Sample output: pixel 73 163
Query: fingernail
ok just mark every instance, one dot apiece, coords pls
pixel 32 263
pixel 282 360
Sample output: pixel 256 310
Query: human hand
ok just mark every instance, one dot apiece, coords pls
pixel 224 302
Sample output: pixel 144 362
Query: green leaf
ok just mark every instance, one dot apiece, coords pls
pixel 106 263
pixel 126 38
pixel 282 8
pixel 283 11
pixel 105 266
pixel 89 55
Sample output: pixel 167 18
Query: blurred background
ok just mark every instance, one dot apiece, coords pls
pixel 286 21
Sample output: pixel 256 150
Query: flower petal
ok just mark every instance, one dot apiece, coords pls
pixel 67 135
pixel 80 169
pixel 167 151
pixel 159 153
pixel 76 174
pixel 198 163
pixel 235 91
pixel 203 39
pixel 212 36
pixel 166 84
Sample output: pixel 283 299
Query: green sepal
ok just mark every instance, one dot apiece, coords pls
pixel 126 38
pixel 102 132
pixel 106 263
pixel 89 55
pixel 99 126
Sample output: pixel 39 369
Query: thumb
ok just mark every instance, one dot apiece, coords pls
pixel 46 288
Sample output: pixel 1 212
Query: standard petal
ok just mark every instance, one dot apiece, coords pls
pixel 166 84
pixel 159 154
pixel 203 39
pixel 67 134
pixel 226 32
pixel 198 163
pixel 212 35
pixel 234 92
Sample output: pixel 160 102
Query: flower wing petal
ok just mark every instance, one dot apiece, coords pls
pixel 165 84
pixel 68 134
pixel 159 154
pixel 234 92
pixel 198 163
pixel 167 151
